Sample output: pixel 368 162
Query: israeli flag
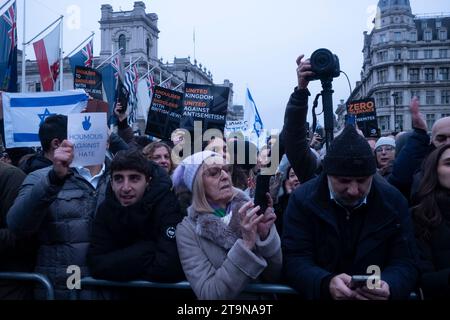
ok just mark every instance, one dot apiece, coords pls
pixel 252 117
pixel 24 112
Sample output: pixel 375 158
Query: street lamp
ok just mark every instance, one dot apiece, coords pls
pixel 186 71
pixel 394 96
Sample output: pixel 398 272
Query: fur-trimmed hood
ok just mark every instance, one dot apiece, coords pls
pixel 211 227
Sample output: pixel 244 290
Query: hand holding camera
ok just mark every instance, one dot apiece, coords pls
pixel 303 72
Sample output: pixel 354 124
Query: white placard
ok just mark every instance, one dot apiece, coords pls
pixel 89 133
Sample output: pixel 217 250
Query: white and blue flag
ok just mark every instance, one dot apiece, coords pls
pixel 23 113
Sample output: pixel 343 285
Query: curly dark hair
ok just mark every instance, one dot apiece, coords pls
pixel 131 160
pixel 427 214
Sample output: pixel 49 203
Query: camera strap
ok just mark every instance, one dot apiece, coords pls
pixel 314 115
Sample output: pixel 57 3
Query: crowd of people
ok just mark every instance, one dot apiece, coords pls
pixel 361 206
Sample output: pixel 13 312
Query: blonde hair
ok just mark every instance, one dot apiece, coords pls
pixel 199 201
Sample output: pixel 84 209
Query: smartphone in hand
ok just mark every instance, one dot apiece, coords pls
pixel 359 281
pixel 262 188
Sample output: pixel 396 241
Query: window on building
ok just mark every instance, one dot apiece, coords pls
pixel 429 74
pixel 382 75
pixel 443 53
pixel 147 44
pixel 383 38
pixel 445 115
pixel 424 25
pixel 445 96
pixel 384 123
pixel 38 87
pixel 415 93
pixel 382 56
pixel 413 36
pixel 382 98
pixel 398 54
pixel 444 73
pixel 431 118
pixel 427 35
pixel 442 34
pixel 438 24
pixel 428 54
pixel 413 54
pixel 398 73
pixel 397 36
pixel 398 98
pixel 429 98
pixel 414 74
pixel 123 43
pixel 399 122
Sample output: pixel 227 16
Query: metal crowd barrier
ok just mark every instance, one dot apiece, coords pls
pixel 251 288
pixel 31 277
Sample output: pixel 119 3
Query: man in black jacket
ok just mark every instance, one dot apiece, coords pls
pixel 133 236
pixel 348 222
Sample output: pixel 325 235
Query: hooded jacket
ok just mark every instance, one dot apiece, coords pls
pixel 138 242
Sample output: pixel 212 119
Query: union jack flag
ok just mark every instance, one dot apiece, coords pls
pixel 117 66
pixel 150 84
pixel 88 53
pixel 10 17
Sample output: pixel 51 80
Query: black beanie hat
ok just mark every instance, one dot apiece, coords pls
pixel 349 155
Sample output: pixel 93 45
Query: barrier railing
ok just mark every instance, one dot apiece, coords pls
pixel 251 288
pixel 31 277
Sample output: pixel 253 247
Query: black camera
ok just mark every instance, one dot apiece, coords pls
pixel 325 65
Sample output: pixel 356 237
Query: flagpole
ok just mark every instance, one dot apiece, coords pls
pixel 61 53
pixel 51 25
pixel 170 78
pixel 4 5
pixel 24 48
pixel 109 58
pixel 86 40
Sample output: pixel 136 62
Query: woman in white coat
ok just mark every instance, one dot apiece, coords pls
pixel 223 243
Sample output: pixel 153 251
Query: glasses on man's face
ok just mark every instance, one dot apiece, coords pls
pixel 385 149
pixel 215 172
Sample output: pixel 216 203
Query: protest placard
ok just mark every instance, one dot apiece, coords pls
pixel 89 133
pixel 165 113
pixel 208 104
pixel 366 116
pixel 90 80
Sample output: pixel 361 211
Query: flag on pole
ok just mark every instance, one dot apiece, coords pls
pixel 8 50
pixel 48 52
pixel 25 112
pixel 150 84
pixel 84 57
pixel 253 118
pixel 131 83
pixel 110 76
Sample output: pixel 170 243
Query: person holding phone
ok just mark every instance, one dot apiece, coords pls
pixel 223 243
pixel 345 222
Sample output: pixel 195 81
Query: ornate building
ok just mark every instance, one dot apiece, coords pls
pixel 136 33
pixel 405 55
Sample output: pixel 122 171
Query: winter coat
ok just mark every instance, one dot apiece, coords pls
pixel 35 162
pixel 16 255
pixel 61 215
pixel 313 247
pixel 435 257
pixel 138 242
pixel 294 136
pixel 216 262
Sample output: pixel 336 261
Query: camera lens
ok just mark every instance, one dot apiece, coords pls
pixel 322 60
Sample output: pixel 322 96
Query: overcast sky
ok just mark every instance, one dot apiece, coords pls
pixel 252 43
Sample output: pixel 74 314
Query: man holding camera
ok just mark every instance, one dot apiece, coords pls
pixel 346 222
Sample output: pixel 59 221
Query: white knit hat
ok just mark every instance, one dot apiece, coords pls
pixel 186 172
pixel 385 141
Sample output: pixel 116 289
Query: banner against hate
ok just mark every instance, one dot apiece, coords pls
pixel 166 111
pixel 89 80
pixel 366 116
pixel 208 104
pixel 89 134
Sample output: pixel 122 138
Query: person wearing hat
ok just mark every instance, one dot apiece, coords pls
pixel 223 243
pixel 347 222
pixel 385 155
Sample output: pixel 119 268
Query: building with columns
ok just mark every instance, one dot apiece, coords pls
pixel 405 55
